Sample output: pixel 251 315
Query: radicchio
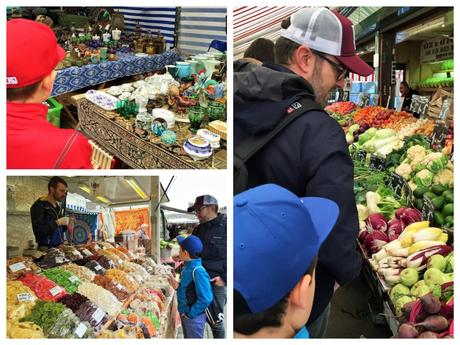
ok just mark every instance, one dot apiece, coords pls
pixel 395 227
pixel 375 240
pixel 377 221
pixel 409 215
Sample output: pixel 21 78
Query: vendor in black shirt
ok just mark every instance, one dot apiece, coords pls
pixel 407 92
pixel 48 223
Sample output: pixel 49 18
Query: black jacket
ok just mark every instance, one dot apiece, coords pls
pixel 213 234
pixel 310 158
pixel 44 216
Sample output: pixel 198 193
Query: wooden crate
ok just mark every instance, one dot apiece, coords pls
pixel 435 105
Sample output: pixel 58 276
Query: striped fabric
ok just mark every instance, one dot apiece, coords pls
pixel 252 22
pixel 198 26
pixel 151 19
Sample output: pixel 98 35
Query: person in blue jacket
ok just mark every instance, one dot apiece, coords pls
pixel 310 156
pixel 276 240
pixel 194 293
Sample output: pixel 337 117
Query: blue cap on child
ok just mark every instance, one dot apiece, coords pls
pixel 276 237
pixel 191 244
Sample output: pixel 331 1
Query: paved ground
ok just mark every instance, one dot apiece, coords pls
pixel 350 315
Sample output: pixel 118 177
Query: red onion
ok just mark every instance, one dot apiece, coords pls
pixel 395 227
pixel 377 222
pixel 375 240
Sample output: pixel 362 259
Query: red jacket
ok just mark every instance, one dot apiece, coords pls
pixel 34 143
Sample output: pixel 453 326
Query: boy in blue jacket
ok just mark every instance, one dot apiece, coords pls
pixel 194 293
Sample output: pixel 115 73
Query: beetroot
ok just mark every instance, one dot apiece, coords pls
pixel 377 222
pixel 430 303
pixel 427 334
pixel 407 330
pixel 375 240
pixel 435 323
pixel 395 227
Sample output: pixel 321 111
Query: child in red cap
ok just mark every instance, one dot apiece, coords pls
pixel 33 142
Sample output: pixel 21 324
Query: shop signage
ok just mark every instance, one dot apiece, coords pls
pixel 437 49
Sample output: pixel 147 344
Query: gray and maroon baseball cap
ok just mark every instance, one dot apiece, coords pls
pixel 202 200
pixel 328 32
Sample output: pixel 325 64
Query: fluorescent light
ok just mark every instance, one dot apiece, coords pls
pixel 85 188
pixel 103 199
pixel 135 186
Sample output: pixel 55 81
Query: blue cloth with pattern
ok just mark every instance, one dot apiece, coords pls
pixel 74 78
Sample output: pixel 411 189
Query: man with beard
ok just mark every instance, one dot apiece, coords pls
pixel 309 156
pixel 212 231
pixel 48 223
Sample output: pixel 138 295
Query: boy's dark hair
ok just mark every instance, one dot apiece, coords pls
pixel 54 181
pixel 404 83
pixel 246 323
pixel 261 49
pixel 285 48
pixel 22 93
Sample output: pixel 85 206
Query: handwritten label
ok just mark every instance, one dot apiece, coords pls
pixel 397 183
pixel 98 315
pixel 17 267
pixel 98 268
pixel 73 279
pixel 439 135
pixel 428 209
pixel 119 286
pixel 96 247
pixel 56 290
pixel 59 259
pixel 361 156
pixel 25 297
pixel 81 330
pixel 87 252
pixel 76 252
pixel 376 163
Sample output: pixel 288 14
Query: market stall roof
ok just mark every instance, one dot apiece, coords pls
pixel 113 190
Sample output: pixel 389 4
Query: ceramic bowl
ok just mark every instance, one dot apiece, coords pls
pixel 198 148
pixel 164 114
pixel 213 138
pixel 114 91
pixel 127 88
pixel 102 99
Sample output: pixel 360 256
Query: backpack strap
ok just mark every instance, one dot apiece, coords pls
pixel 193 272
pixel 246 149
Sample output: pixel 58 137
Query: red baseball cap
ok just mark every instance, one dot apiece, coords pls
pixel 32 52
pixel 328 32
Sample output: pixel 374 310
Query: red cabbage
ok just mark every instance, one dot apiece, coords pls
pixel 377 222
pixel 411 215
pixel 395 227
pixel 375 240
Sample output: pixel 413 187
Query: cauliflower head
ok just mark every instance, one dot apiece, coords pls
pixel 444 176
pixel 416 152
pixel 404 170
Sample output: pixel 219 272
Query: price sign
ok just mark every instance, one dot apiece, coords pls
pixel 98 315
pixel 17 267
pixel 111 263
pixel 415 104
pixel 376 163
pixel 76 252
pixel 87 252
pixel 56 290
pixel 423 108
pixel 98 268
pixel 73 279
pixel 59 259
pixel 439 135
pixel 25 297
pixel 400 186
pixel 80 330
pixel 428 209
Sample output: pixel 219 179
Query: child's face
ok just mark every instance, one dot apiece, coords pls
pixel 184 255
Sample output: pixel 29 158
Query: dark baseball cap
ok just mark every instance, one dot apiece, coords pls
pixel 32 52
pixel 202 200
pixel 277 235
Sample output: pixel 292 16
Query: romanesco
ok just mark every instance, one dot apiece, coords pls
pixel 445 176
pixel 404 170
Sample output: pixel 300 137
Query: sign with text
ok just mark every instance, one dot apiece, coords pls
pixel 437 49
